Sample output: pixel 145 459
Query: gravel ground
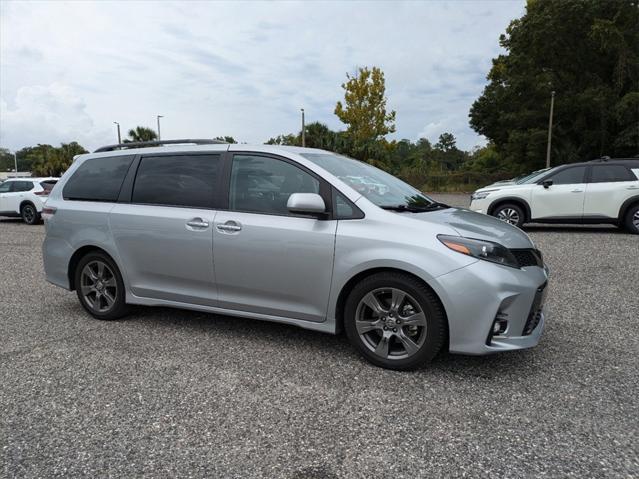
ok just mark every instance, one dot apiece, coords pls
pixel 177 393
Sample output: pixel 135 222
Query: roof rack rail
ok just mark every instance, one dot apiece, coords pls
pixel 143 144
pixel 599 160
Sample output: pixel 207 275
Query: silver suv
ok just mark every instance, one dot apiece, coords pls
pixel 280 234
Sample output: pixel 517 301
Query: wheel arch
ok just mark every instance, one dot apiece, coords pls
pixel 23 203
pixel 350 284
pixel 513 200
pixel 625 206
pixel 78 255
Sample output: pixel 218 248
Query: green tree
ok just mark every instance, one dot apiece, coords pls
pixel 141 133
pixel 364 111
pixel 585 51
pixel 47 160
pixel 226 139
pixel 6 160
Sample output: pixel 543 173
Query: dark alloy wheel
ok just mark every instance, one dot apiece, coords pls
pixel 632 219
pixel 511 214
pixel 394 321
pixel 29 214
pixel 99 286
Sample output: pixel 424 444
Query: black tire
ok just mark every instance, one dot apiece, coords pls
pixel 29 214
pixel 632 219
pixel 435 321
pixel 119 308
pixel 510 210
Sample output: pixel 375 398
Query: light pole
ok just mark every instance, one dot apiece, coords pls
pixel 119 137
pixel 303 128
pixel 159 116
pixel 552 106
pixel 15 161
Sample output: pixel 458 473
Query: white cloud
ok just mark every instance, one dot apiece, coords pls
pixel 68 70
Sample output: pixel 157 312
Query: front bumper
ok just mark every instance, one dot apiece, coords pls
pixel 479 206
pixel 475 296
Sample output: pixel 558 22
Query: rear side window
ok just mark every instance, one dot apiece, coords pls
pixel 5 187
pixel 180 180
pixel 22 185
pixel 569 176
pixel 98 179
pixel 610 173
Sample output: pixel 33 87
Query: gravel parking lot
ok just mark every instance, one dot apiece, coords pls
pixel 177 393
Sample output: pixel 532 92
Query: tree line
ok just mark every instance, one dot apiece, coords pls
pixel 583 50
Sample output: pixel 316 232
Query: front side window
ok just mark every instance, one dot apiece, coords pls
pixel 610 173
pixel 177 180
pixel 98 179
pixel 5 187
pixel 261 184
pixel 569 176
pixel 376 185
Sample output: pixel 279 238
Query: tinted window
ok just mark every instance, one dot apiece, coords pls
pixel 98 179
pixel 48 185
pixel 569 176
pixel 180 180
pixel 263 185
pixel 610 173
pixel 5 187
pixel 22 185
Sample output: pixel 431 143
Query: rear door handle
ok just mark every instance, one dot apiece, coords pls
pixel 577 191
pixel 197 224
pixel 229 227
pixel 633 188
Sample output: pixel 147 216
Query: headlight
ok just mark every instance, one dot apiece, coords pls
pixel 481 195
pixel 486 250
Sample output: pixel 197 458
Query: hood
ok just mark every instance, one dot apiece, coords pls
pixel 469 224
pixel 502 186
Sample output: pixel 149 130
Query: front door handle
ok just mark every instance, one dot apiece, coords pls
pixel 197 224
pixel 229 227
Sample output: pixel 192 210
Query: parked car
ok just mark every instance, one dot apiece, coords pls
pixel 272 233
pixel 602 191
pixel 25 197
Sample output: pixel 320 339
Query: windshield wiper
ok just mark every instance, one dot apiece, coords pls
pixel 415 208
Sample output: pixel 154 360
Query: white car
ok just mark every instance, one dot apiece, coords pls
pixel 25 197
pixel 600 191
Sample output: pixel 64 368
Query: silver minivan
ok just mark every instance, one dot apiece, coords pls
pixel 293 235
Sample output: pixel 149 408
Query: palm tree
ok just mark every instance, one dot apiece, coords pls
pixel 141 133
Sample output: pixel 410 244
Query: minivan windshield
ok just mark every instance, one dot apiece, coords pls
pixel 376 185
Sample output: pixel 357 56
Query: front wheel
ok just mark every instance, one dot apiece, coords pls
pixel 511 214
pixel 99 287
pixel 632 219
pixel 395 321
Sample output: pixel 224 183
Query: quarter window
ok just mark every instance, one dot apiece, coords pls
pixel 98 179
pixel 177 180
pixel 610 173
pixel 262 185
pixel 569 176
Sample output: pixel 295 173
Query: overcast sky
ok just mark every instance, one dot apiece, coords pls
pixel 68 70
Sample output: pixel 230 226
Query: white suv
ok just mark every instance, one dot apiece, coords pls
pixel 25 197
pixel 600 191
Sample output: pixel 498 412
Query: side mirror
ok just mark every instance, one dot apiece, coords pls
pixel 306 203
pixel 546 183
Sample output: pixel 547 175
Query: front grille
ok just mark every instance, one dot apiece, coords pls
pixel 528 257
pixel 535 311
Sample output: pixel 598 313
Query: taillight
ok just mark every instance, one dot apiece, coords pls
pixel 42 193
pixel 47 212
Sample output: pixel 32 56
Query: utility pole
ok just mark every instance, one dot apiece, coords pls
pixel 552 106
pixel 303 128
pixel 15 161
pixel 159 116
pixel 119 137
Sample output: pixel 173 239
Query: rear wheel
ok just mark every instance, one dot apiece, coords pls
pixel 510 213
pixel 29 214
pixel 99 287
pixel 394 321
pixel 632 219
